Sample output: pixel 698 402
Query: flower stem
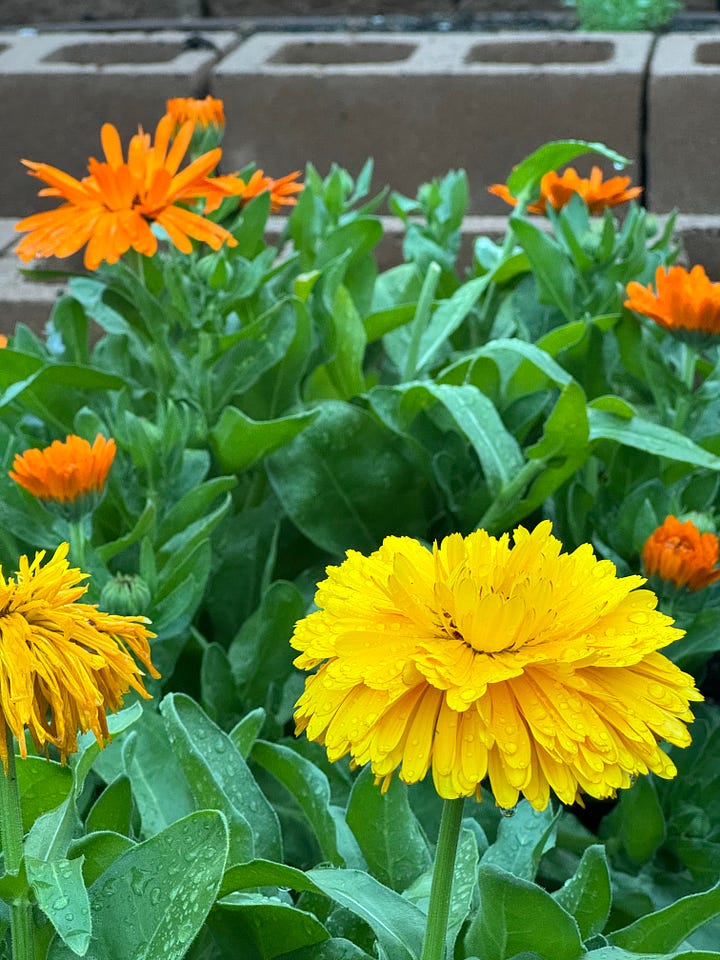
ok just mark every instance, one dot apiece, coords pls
pixel 11 829
pixel 77 543
pixel 441 888
pixel 421 320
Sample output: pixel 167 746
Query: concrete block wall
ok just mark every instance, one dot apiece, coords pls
pixel 683 124
pixel 422 104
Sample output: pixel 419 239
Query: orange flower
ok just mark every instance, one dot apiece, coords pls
pixel 281 191
pixel 683 302
pixel 203 113
pixel 111 210
pixel 557 191
pixel 678 552
pixel 3 340
pixel 65 471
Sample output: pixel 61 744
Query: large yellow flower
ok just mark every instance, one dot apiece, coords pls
pixel 535 668
pixel 63 664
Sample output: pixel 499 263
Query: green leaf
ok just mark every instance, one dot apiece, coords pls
pixel 265 873
pixel 191 508
pixel 637 821
pixel 239 441
pixel 219 778
pixel 160 789
pixel 397 924
pixel 345 483
pixel 337 948
pixel 617 953
pixel 309 786
pixel 649 437
pixel 246 731
pixel 61 895
pixel 344 371
pixel 522 839
pixel 587 894
pixel 496 448
pixel 152 900
pixel 552 155
pixel 260 655
pixel 50 835
pixel 113 808
pixel 446 318
pixel 389 835
pixel 43 784
pixel 666 929
pixel 96 851
pixel 271 926
pixel 516 915
pixel 144 525
pixel 550 266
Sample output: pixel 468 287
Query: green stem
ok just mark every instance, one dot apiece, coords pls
pixel 77 543
pixel 11 829
pixel 421 319
pixel 510 492
pixel 441 888
pixel 688 361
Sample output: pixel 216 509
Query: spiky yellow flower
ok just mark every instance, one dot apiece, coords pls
pixel 66 471
pixel 534 668
pixel 678 552
pixel 63 664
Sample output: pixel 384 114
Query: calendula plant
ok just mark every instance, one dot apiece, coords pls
pixel 215 424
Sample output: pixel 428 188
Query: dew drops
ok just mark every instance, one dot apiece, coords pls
pixel 507 812
pixel 510 748
pixel 60 903
pixel 638 617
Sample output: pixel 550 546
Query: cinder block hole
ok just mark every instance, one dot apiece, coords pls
pixel 320 52
pixel 105 54
pixel 542 51
pixel 707 53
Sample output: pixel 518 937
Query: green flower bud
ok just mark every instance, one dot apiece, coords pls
pixel 126 594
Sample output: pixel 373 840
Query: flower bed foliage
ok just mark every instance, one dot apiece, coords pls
pixel 267 409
